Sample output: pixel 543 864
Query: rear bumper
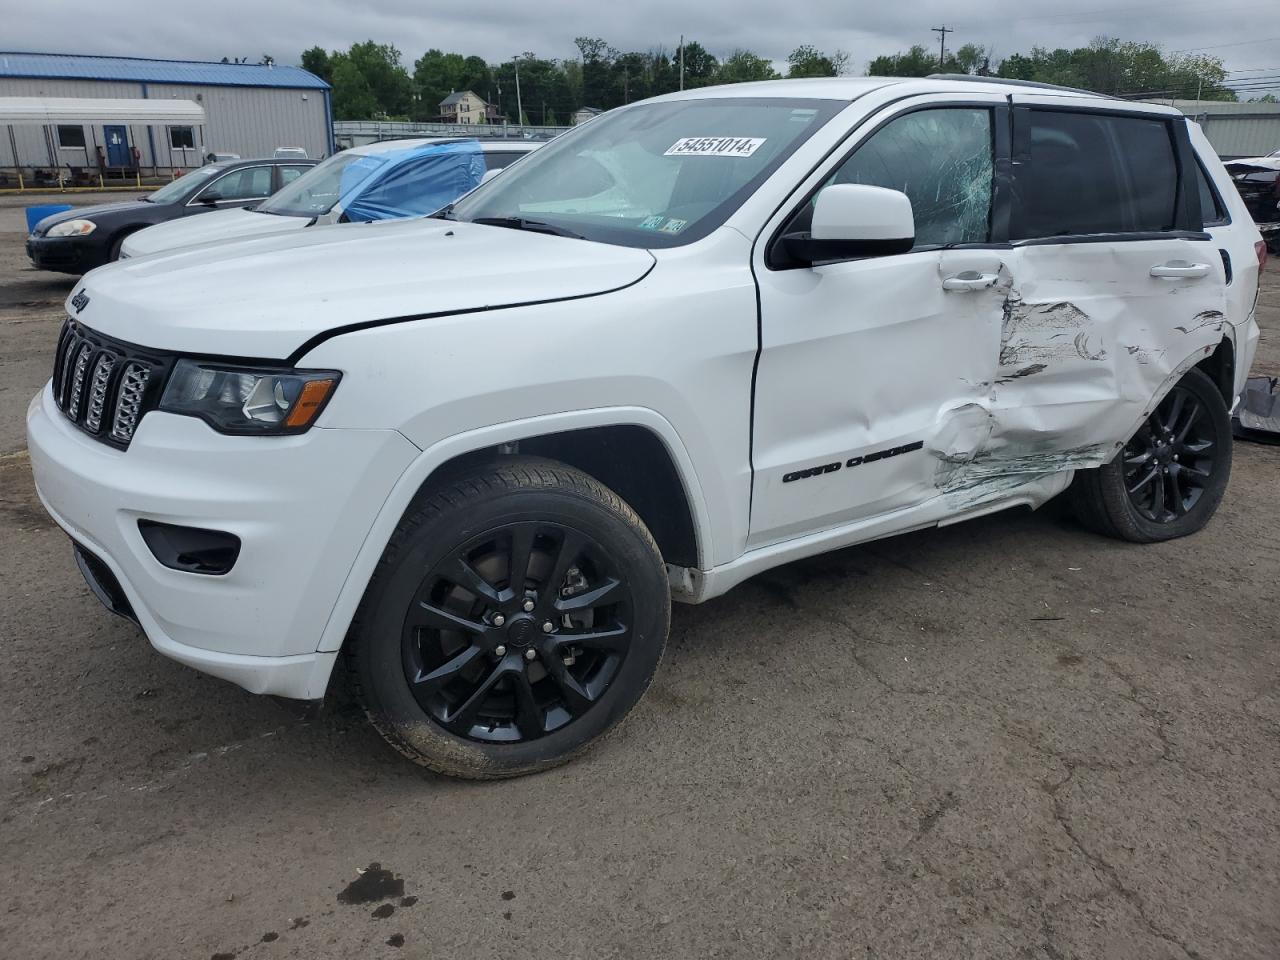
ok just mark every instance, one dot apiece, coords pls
pixel 301 506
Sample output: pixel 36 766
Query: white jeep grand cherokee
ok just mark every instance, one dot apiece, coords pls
pixel 699 337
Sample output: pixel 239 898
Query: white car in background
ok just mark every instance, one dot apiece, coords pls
pixel 388 180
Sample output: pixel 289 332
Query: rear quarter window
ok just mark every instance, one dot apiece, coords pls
pixel 1212 211
pixel 1092 173
pixel 494 160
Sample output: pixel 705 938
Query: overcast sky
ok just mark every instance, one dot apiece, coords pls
pixel 1245 33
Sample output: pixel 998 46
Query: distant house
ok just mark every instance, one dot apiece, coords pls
pixel 585 114
pixel 465 106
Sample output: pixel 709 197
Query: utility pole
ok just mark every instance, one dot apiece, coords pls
pixel 942 31
pixel 519 105
pixel 682 61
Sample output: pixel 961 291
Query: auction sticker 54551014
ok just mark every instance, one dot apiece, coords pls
pixel 714 147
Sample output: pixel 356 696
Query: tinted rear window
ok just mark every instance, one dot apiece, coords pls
pixel 496 161
pixel 1094 173
pixel 1211 210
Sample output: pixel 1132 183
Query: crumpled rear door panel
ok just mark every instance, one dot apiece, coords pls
pixel 1089 342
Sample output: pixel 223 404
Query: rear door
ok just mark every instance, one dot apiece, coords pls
pixel 286 173
pixel 236 188
pixel 1116 287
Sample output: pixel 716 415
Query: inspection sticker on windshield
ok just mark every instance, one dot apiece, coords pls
pixel 715 147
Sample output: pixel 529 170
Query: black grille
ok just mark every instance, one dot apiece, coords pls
pixel 104 386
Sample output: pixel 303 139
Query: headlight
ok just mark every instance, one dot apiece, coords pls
pixel 248 401
pixel 72 228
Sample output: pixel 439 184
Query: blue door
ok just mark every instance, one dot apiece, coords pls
pixel 117 139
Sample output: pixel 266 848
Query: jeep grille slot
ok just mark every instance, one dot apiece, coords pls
pixel 98 391
pixel 104 386
pixel 133 386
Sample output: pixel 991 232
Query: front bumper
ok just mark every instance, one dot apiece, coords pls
pixel 301 506
pixel 66 254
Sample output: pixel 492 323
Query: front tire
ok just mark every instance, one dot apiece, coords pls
pixel 1169 478
pixel 517 615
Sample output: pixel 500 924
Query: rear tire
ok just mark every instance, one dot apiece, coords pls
pixel 517 615
pixel 1169 478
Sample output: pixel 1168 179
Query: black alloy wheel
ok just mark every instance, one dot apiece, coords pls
pixel 1168 480
pixel 1170 460
pixel 517 633
pixel 517 615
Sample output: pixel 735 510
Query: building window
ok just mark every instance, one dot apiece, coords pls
pixel 71 138
pixel 182 138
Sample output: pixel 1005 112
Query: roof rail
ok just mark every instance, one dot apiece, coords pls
pixel 1006 81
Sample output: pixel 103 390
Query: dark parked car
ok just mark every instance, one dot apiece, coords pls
pixel 78 240
pixel 1258 181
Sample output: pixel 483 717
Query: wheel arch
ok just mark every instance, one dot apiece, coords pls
pixel 1220 365
pixel 583 439
pixel 120 235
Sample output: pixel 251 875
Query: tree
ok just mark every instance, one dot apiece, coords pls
pixel 920 61
pixel 1123 68
pixel 971 59
pixel 353 98
pixel 808 61
pixel 743 66
pixel 316 61
pixel 699 66
pixel 379 64
pixel 916 62
pixel 598 87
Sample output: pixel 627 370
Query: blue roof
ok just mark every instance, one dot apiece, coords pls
pixel 64 66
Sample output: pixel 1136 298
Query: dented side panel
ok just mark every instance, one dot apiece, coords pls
pixel 1109 338
pixel 941 384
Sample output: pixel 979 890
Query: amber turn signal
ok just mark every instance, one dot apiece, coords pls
pixel 310 400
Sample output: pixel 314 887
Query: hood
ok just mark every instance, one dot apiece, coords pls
pixel 206 228
pixel 128 208
pixel 267 296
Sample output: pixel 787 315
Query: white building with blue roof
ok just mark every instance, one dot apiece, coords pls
pixel 250 110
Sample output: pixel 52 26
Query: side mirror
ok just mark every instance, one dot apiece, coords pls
pixel 210 199
pixel 855 220
pixel 490 174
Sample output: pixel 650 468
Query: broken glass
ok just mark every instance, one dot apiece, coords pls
pixel 942 160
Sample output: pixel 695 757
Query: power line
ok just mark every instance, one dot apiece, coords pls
pixel 1238 43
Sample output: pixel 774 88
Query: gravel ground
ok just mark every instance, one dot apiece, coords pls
pixel 1007 738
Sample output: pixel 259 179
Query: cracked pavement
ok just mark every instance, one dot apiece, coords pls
pixel 1004 739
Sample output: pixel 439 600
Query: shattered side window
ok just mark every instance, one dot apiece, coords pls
pixel 942 160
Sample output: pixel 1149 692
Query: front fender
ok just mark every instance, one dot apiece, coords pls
pixel 423 467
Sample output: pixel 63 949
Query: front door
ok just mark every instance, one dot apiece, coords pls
pixel 876 375
pixel 117 140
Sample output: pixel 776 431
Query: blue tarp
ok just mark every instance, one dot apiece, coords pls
pixel 410 183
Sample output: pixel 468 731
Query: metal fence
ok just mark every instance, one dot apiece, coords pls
pixel 354 133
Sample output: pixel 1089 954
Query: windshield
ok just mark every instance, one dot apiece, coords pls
pixel 653 175
pixel 317 190
pixel 188 183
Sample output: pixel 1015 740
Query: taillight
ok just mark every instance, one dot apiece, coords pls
pixel 1260 248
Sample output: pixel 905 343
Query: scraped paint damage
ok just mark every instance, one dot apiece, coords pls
pixel 1074 382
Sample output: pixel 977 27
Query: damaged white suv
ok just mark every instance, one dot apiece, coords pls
pixel 698 337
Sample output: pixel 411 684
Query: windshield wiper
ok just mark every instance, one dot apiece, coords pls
pixel 533 226
pixel 444 213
